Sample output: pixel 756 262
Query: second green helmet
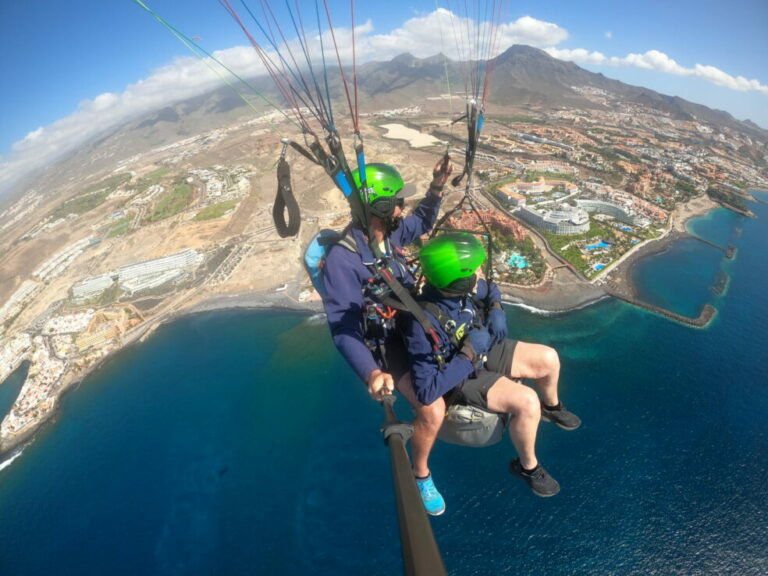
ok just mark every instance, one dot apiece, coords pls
pixel 383 182
pixel 450 257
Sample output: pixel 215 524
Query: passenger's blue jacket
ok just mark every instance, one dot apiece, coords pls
pixel 345 276
pixel 429 381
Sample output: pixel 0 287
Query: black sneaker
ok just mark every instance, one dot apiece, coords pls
pixel 539 480
pixel 560 417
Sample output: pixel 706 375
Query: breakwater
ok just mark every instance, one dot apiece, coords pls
pixel 619 285
pixel 708 243
pixel 703 319
pixel 720 284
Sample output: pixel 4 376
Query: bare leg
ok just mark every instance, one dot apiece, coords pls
pixel 426 425
pixel 522 403
pixel 542 365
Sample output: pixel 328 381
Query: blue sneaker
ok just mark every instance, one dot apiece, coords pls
pixel 433 501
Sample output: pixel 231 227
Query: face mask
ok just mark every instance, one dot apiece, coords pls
pixel 461 286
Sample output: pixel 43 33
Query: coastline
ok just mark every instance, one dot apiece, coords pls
pixel 562 293
pixel 12 444
pixel 565 292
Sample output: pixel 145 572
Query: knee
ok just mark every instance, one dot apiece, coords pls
pixel 431 416
pixel 550 359
pixel 527 405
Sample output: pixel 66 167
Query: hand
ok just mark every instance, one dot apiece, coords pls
pixel 441 172
pixel 380 384
pixel 476 345
pixel 497 325
pixel 480 339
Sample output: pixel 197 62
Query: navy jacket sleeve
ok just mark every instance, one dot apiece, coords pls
pixel 488 290
pixel 344 277
pixel 420 222
pixel 429 382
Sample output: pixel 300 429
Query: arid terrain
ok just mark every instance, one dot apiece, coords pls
pixel 136 228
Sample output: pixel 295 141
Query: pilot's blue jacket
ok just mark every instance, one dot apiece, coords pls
pixel 346 274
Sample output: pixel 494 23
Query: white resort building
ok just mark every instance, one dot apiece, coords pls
pixel 134 278
pixel 622 213
pixel 563 219
pixel 91 287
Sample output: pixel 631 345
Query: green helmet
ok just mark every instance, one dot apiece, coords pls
pixel 383 182
pixel 451 257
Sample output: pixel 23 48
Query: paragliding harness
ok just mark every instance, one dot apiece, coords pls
pixel 464 424
pixel 448 325
pixel 383 296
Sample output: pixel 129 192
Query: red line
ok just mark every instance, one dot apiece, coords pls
pixel 341 69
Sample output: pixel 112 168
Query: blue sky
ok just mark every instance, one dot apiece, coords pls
pixel 70 66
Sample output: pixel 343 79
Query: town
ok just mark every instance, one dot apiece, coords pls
pixel 189 221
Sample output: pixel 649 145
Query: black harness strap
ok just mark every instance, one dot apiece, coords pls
pixel 448 325
pixel 285 200
pixel 471 148
pixel 301 150
pixel 415 310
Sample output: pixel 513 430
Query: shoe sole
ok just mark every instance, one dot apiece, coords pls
pixel 542 495
pixel 435 513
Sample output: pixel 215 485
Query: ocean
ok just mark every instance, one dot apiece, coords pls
pixel 238 442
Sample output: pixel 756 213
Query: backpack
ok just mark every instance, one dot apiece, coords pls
pixel 317 251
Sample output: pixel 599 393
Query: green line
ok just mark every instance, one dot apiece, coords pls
pixel 196 49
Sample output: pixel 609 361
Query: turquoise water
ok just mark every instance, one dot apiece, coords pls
pixel 239 443
pixel 600 244
pixel 517 261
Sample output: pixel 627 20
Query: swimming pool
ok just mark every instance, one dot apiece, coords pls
pixel 517 261
pixel 600 244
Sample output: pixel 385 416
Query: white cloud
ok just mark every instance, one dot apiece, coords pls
pixel 527 30
pixel 423 35
pixel 609 35
pixel 183 78
pixel 660 62
pixel 447 32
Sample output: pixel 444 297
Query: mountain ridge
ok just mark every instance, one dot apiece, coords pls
pixel 523 78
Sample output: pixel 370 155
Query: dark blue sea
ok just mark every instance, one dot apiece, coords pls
pixel 239 443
